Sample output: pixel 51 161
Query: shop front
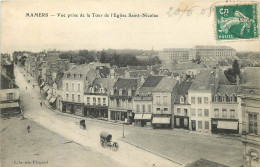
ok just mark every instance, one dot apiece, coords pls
pixel 96 112
pixel 161 121
pixel 73 108
pixel 118 115
pixel 227 126
pixel 181 122
pixel 143 120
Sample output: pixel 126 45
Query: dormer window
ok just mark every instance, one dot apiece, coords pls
pixel 129 92
pixel 80 75
pixel 227 98
pixel 68 75
pixel 234 98
pixel 101 90
pixel 75 75
pixel 11 86
pixel 120 92
pixel 182 100
pixel 91 90
pixel 218 98
pixel 223 98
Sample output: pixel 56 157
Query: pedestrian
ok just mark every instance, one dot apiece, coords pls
pixel 41 104
pixel 33 86
pixel 28 128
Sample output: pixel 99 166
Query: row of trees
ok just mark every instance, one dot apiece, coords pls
pixel 118 59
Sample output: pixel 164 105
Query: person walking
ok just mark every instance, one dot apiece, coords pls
pixel 28 128
pixel 41 104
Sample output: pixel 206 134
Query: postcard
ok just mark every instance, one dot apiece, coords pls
pixel 130 83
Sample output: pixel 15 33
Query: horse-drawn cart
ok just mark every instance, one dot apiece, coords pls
pixel 106 141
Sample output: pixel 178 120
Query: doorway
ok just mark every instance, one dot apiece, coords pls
pixel 193 125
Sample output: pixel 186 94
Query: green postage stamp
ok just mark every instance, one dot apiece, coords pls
pixel 236 22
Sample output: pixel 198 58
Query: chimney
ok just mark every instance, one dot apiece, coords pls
pixel 112 91
pixel 178 79
pixel 237 81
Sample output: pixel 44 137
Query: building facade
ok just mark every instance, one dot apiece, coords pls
pixel 96 98
pixel 143 101
pixel 121 100
pixel 226 116
pixel 163 101
pixel 74 83
pixel 250 99
pixel 175 55
pixel 201 95
pixel 9 96
pixel 182 107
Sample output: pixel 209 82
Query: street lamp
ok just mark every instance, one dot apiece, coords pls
pixel 123 130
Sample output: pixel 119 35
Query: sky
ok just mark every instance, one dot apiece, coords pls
pixel 169 30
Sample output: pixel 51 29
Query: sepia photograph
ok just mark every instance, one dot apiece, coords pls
pixel 141 83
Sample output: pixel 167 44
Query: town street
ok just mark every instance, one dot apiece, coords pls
pixel 181 147
pixel 42 147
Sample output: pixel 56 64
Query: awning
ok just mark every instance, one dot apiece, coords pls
pixel 161 120
pixel 143 116
pixel 42 84
pixel 138 116
pixel 147 116
pixel 49 97
pixel 9 105
pixel 52 99
pixel 46 88
pixel 227 125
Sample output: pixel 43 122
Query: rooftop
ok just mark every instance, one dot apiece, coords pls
pixel 227 89
pixel 203 81
pixel 126 83
pixel 183 88
pixel 166 85
pixel 150 83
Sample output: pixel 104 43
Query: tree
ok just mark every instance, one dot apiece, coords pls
pixel 233 72
pixel 235 67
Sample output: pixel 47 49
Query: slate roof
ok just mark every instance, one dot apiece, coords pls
pixel 103 71
pixel 106 83
pixel 227 89
pixel 139 73
pixel 166 85
pixel 6 82
pixel 182 66
pixel 203 81
pixel 251 77
pixel 121 70
pixel 77 70
pixel 222 79
pixel 150 83
pixel 126 83
pixel 133 68
pixel 183 88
